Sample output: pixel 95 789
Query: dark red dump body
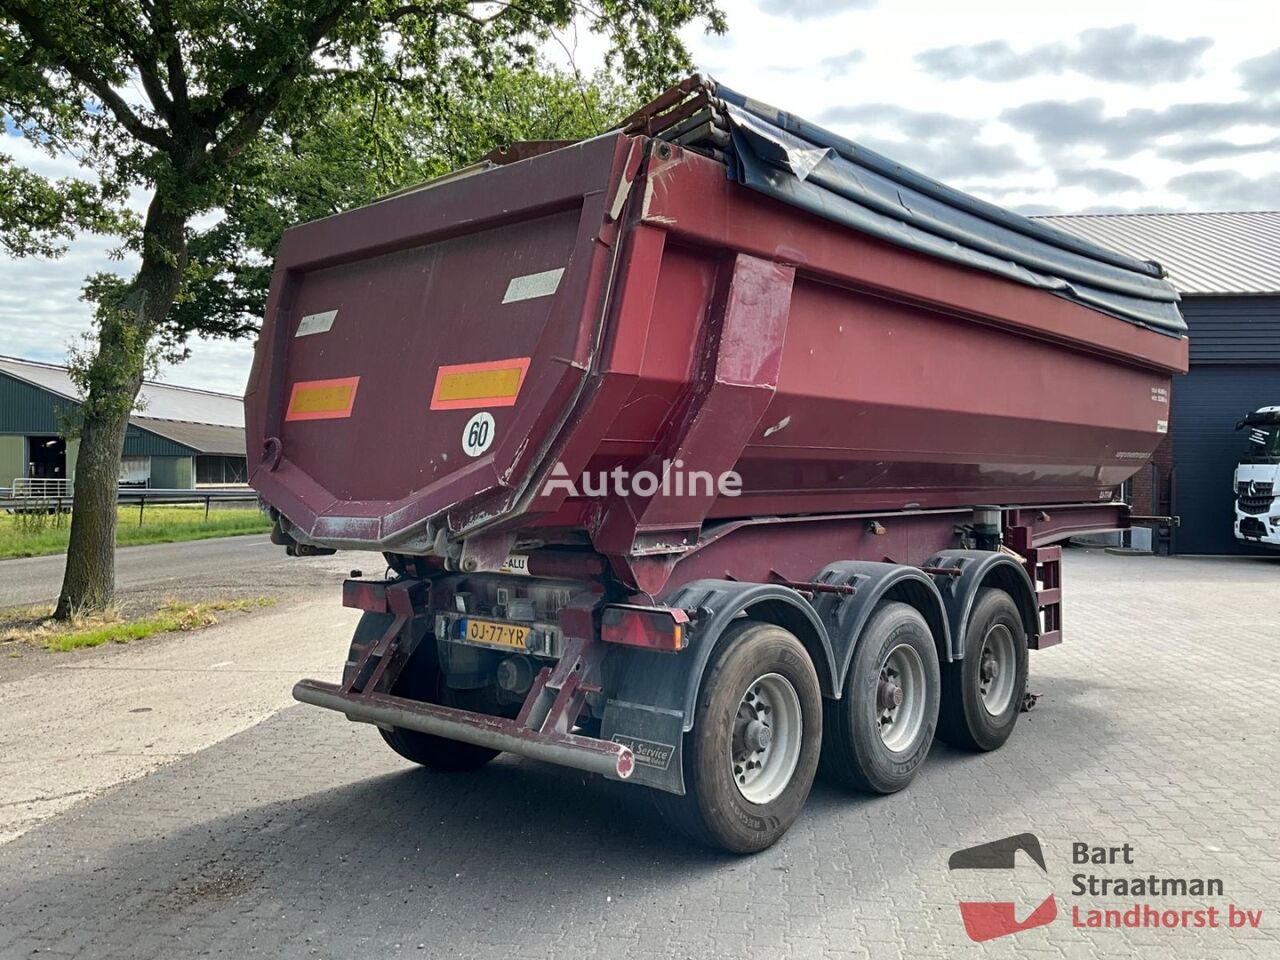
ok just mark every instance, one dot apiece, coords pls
pixel 620 302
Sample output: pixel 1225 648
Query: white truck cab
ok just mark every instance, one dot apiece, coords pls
pixel 1257 480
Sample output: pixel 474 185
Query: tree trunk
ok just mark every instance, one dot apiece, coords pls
pixel 88 583
pixel 114 377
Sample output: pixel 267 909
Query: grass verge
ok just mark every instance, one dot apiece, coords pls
pixel 34 535
pixel 33 624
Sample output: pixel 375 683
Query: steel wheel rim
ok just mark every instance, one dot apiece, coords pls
pixel 997 669
pixel 900 698
pixel 768 730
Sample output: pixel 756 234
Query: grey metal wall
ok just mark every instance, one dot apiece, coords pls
pixel 1233 329
pixel 173 473
pixel 25 409
pixel 144 443
pixel 28 410
pixel 1235 368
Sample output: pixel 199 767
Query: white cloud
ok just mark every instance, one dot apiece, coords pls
pixel 812 9
pixel 1231 190
pixel 40 307
pixel 1118 54
pixel 1261 75
pixel 1207 67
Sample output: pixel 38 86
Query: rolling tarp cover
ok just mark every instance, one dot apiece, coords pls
pixel 808 167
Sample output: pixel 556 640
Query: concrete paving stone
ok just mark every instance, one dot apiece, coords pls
pixel 302 836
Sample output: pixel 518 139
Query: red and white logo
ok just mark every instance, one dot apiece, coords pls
pixel 989 919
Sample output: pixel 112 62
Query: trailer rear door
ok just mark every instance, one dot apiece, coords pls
pixel 420 353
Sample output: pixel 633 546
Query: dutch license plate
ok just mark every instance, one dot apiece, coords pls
pixel 494 634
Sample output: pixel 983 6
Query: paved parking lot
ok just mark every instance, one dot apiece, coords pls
pixel 304 837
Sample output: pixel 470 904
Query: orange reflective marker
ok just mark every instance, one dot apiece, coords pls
pixel 494 383
pixel 322 399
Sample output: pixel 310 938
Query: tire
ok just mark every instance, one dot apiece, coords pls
pixel 420 679
pixel 759 674
pixel 969 720
pixel 866 744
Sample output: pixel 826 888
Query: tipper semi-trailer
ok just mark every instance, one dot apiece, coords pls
pixel 702 453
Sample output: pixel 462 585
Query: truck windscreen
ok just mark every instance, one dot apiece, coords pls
pixel 1263 445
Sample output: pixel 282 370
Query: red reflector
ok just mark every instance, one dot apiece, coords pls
pixel 654 628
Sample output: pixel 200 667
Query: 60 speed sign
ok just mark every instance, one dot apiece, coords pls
pixel 477 435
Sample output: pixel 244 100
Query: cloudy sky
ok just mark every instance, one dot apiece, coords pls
pixel 1093 106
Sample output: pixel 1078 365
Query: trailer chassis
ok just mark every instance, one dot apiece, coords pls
pixel 826 608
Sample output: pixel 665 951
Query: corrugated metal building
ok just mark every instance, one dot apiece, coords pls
pixel 180 437
pixel 1227 268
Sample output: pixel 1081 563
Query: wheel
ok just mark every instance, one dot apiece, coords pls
pixel 420 679
pixel 982 694
pixel 878 733
pixel 750 758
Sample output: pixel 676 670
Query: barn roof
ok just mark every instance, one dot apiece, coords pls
pixel 1228 253
pixel 203 420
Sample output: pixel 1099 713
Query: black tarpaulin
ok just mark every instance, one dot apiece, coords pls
pixel 808 167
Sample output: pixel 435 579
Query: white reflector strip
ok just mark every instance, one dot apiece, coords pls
pixel 316 323
pixel 533 285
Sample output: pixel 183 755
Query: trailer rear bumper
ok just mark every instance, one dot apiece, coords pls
pixel 613 760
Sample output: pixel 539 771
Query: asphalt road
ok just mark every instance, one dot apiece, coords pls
pixel 249 564
pixel 302 836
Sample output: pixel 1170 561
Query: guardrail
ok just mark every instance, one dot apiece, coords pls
pixel 60 502
pixel 40 487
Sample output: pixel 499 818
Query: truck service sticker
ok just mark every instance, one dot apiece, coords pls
pixel 316 323
pixel 648 753
pixel 477 435
pixel 533 285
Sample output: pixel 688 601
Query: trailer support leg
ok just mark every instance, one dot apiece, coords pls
pixel 1044 566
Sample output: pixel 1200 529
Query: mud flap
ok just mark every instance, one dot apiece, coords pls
pixel 656 738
